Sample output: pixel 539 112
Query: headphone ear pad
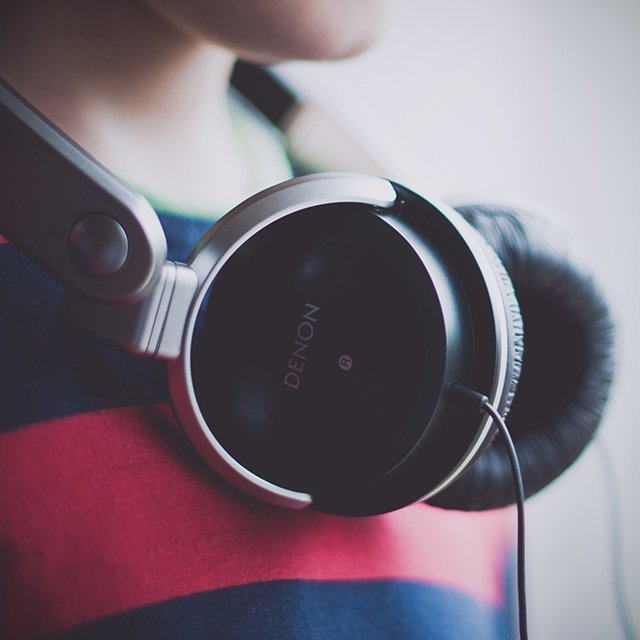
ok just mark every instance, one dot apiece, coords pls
pixel 568 363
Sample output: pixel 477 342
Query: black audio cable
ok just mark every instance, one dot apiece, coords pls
pixel 519 487
pixel 484 406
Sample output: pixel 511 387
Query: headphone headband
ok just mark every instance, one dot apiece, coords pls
pixel 95 234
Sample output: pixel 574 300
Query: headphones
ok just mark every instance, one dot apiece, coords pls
pixel 315 336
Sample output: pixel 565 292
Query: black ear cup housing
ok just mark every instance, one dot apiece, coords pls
pixel 568 363
pixel 325 347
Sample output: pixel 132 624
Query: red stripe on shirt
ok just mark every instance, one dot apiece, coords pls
pixel 3 240
pixel 106 511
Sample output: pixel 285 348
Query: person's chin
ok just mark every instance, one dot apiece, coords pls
pixel 282 29
pixel 314 43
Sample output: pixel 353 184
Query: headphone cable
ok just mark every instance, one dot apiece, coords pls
pixel 519 488
pixel 484 406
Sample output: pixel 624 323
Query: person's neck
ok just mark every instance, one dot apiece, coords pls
pixel 146 99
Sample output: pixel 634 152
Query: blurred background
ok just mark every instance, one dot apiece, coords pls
pixel 528 102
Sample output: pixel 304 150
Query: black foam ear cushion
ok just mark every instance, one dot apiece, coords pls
pixel 568 360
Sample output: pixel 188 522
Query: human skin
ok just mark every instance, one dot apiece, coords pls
pixel 267 30
pixel 142 84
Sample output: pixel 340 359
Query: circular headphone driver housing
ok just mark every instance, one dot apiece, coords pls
pixel 333 314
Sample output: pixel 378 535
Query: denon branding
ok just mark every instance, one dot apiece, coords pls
pixel 304 334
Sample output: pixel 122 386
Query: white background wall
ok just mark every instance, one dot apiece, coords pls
pixel 537 101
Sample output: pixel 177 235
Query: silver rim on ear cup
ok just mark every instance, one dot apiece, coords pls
pixel 234 231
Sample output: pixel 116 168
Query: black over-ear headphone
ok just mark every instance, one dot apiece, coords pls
pixel 315 336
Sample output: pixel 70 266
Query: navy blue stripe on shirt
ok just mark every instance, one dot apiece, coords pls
pixel 308 610
pixel 182 233
pixel 48 368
